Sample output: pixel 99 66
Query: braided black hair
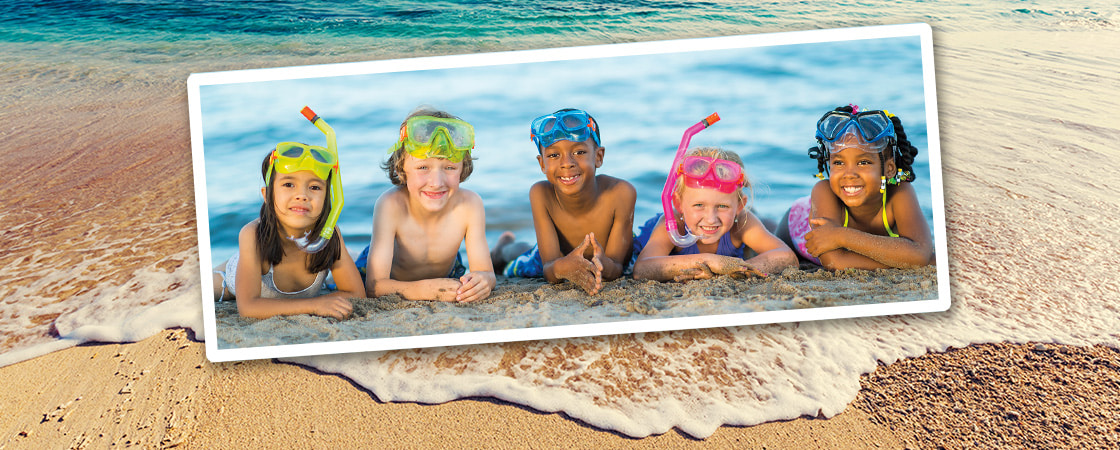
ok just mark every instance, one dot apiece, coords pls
pixel 903 151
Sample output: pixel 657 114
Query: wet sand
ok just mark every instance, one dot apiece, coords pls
pixel 161 393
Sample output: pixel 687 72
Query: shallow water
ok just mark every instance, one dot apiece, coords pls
pixel 1027 137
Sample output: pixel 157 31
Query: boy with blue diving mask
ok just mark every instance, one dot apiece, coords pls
pixel 583 221
pixel 420 223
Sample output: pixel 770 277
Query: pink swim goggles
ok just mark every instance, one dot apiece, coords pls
pixel 711 173
pixel 686 239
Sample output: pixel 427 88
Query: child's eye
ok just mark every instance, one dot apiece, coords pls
pixel 449 168
pixel 865 162
pixel 837 162
pixel 723 206
pixel 287 184
pixel 552 155
pixel 316 187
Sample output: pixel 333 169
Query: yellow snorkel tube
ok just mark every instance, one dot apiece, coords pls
pixel 319 242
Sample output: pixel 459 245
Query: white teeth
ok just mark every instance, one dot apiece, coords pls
pixel 852 189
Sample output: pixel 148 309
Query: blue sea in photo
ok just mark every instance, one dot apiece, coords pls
pixel 768 98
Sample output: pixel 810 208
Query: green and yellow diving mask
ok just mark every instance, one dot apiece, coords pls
pixel 289 157
pixel 433 137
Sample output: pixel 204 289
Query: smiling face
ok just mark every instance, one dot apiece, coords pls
pixel 298 199
pixel 709 213
pixel 432 181
pixel 855 176
pixel 568 165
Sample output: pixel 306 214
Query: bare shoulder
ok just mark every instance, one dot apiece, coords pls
pixel 903 191
pixel 903 200
pixel 469 197
pixel 393 198
pixel 468 200
pixel 541 190
pixel 616 189
pixel 822 188
pixel 824 202
pixel 249 231
pixel 608 183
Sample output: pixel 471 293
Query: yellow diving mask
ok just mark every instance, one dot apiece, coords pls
pixel 433 137
pixel 289 157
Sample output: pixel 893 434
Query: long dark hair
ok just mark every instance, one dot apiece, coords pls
pixel 269 238
pixel 901 149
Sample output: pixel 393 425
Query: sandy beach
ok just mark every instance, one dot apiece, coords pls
pixel 1030 234
pixel 162 393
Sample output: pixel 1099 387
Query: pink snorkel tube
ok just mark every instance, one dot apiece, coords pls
pixel 667 192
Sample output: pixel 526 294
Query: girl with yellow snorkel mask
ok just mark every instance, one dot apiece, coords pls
pixel 278 269
pixel 420 222
pixel 863 213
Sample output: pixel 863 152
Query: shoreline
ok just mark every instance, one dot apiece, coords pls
pixel 162 392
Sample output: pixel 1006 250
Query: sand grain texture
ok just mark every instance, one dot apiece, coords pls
pixel 162 393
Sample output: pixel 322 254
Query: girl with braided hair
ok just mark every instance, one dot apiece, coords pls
pixel 861 214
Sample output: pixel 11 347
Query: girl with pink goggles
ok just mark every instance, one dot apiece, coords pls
pixel 711 173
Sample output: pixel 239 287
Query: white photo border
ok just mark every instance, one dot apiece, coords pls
pixel 921 30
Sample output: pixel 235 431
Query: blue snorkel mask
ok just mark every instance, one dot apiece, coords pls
pixel 565 125
pixel 871 131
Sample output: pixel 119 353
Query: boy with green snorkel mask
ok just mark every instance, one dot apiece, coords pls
pixel 419 223
pixel 583 221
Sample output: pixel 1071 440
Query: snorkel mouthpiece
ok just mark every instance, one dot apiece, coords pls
pixel 667 192
pixel 316 243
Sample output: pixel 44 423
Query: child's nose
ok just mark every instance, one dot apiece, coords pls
pixel 438 179
pixel 712 215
